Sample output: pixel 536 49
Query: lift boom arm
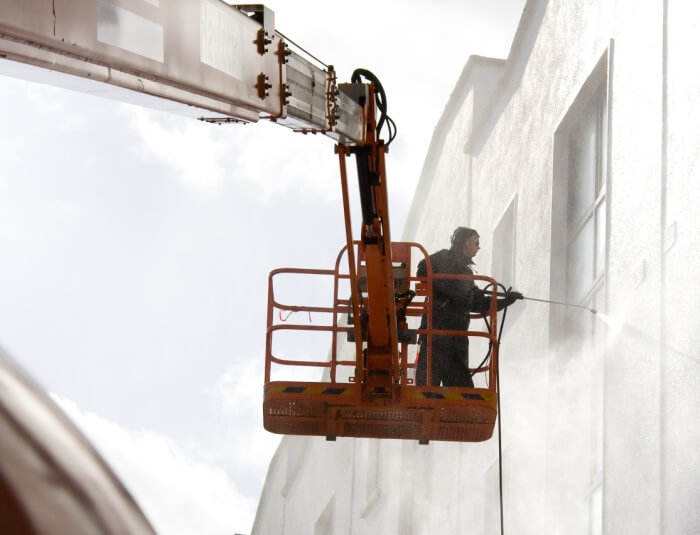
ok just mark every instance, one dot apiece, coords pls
pixel 215 61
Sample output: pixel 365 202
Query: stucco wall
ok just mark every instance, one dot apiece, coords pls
pixel 680 355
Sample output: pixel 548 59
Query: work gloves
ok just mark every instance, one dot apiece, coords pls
pixel 506 300
pixel 511 297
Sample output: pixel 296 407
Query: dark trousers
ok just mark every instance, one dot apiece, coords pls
pixel 450 363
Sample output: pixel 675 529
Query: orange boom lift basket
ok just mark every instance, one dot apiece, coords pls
pixel 366 387
pixel 343 405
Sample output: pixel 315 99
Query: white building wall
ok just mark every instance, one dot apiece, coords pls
pixel 680 464
pixel 599 432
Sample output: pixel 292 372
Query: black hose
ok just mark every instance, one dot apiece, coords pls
pixel 498 398
pixel 500 417
pixel 488 326
pixel 500 445
pixel 380 100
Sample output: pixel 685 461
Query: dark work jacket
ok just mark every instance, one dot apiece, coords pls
pixel 453 299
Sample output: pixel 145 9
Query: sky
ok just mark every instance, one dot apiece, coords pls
pixel 137 244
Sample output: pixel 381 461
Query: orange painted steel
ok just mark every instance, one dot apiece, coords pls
pixel 341 406
pixel 343 152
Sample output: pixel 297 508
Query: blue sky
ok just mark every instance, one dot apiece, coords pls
pixel 137 245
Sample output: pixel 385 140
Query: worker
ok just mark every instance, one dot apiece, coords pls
pixel 453 301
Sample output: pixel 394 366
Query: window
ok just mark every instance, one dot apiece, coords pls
pixel 370 457
pixel 324 523
pixel 579 260
pixel 579 211
pixel 585 212
pixel 503 258
pixel 503 263
pixel 372 488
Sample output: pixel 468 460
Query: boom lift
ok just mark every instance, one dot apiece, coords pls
pixel 223 63
pixel 378 398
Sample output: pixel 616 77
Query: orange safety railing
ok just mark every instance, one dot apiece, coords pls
pixel 339 307
pixel 272 305
pixel 350 405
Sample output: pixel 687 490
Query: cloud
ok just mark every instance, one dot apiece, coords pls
pixel 180 493
pixel 204 156
pixel 282 161
pixel 188 147
pixel 239 396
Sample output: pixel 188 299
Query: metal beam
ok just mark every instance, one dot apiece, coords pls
pixel 217 61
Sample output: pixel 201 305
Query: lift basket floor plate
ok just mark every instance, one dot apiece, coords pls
pixel 337 410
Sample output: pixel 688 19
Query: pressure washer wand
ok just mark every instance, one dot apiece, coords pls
pixel 594 311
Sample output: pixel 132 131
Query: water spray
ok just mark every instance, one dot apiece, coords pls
pixel 592 310
pixel 621 327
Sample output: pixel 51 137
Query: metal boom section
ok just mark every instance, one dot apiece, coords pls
pixel 206 59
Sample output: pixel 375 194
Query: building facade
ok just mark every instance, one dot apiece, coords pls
pixel 577 160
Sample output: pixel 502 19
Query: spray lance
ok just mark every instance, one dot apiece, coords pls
pixel 591 310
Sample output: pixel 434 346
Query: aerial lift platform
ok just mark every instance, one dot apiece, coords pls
pixel 225 64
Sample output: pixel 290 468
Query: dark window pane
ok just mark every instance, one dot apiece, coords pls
pixel 600 239
pixel 582 168
pixel 579 272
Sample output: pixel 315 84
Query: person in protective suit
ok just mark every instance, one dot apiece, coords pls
pixel 453 301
